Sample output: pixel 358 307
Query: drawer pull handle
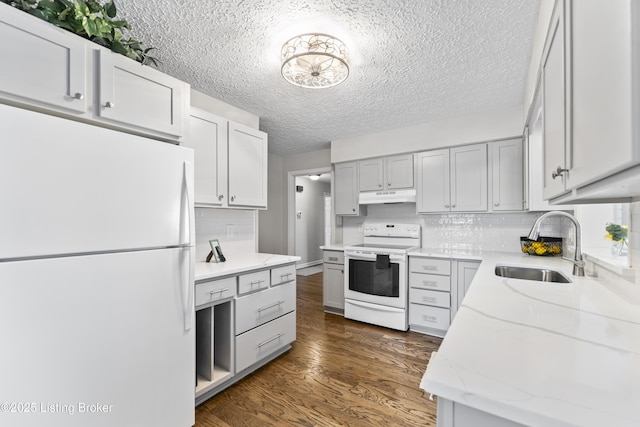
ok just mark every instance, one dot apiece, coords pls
pixel 275 304
pixel 333 258
pixel 429 299
pixel 263 343
pixel 432 319
pixel 430 267
pixel 219 291
pixel 285 276
pixel 257 282
pixel 429 283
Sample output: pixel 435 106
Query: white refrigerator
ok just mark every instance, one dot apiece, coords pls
pixel 96 276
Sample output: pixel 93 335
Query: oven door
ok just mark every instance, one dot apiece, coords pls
pixel 385 285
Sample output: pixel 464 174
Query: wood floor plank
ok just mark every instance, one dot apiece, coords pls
pixel 338 373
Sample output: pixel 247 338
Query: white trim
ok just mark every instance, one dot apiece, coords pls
pixel 291 203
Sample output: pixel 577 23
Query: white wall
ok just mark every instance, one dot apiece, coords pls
pixel 456 231
pixel 309 228
pixel 233 228
pixel 272 224
pixel 274 234
pixel 443 133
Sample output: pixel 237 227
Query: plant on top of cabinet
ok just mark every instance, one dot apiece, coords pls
pixel 90 20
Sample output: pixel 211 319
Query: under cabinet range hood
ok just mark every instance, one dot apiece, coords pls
pixel 388 196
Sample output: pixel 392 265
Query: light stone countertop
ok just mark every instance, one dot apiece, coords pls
pixel 239 263
pixel 543 354
pixel 452 254
pixel 334 247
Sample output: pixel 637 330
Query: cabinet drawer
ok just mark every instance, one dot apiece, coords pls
pixel 283 274
pixel 424 296
pixel 430 281
pixel 429 265
pixel 333 257
pixel 260 307
pixel 256 344
pixel 253 281
pixel 215 290
pixel 428 316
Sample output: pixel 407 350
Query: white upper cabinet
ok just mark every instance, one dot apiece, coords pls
pixel 248 164
pixel 139 96
pixel 41 64
pixel 589 80
pixel 452 180
pixel 54 71
pixel 346 188
pixel 507 190
pixel 554 95
pixel 386 173
pixel 433 181
pixel 469 178
pixel 208 137
pixel 371 173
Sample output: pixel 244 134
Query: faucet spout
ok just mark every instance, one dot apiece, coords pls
pixel 578 262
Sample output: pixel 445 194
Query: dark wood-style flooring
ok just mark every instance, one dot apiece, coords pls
pixel 338 373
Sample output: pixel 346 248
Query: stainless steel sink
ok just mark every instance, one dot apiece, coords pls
pixel 531 273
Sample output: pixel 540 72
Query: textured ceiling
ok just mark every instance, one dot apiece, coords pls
pixel 411 61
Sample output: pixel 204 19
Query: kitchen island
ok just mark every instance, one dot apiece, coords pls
pixel 539 354
pixel 245 317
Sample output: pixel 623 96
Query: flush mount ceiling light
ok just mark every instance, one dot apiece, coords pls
pixel 314 61
pixel 314 177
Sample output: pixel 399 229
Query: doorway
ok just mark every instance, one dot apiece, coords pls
pixel 309 197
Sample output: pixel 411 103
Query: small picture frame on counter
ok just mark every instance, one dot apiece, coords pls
pixel 216 254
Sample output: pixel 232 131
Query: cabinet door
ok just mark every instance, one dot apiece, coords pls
pixel 507 174
pixel 41 64
pixel 247 166
pixel 371 174
pixel 469 178
pixel 208 137
pixel 333 293
pixel 553 106
pixel 433 181
pixel 139 96
pixel 399 172
pixel 466 271
pixel 346 188
pixel 604 76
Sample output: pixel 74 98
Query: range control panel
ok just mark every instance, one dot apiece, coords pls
pixel 392 230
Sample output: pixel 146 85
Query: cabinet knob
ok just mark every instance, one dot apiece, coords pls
pixel 496 204
pixel 388 184
pixel 109 104
pixel 233 198
pixel 354 209
pixel 453 206
pixel 558 172
pixel 379 185
pixel 221 196
pixel 78 95
pixel 446 206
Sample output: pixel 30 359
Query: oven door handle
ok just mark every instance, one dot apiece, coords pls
pixel 377 307
pixel 372 257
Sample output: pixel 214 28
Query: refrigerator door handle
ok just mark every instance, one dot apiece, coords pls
pixel 189 278
pixel 188 288
pixel 187 222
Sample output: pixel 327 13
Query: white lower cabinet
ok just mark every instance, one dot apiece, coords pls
pixel 333 282
pixel 259 343
pixel 239 327
pixel 436 289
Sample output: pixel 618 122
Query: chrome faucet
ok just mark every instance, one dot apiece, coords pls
pixel 578 263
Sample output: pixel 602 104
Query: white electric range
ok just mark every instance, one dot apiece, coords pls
pixel 376 274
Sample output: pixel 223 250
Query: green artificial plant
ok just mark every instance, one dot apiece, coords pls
pixel 91 20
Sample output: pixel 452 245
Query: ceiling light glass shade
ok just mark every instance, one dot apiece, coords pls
pixel 314 177
pixel 314 61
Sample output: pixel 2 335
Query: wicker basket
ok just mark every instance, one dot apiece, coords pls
pixel 544 246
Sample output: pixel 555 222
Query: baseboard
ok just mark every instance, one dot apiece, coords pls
pixel 308 264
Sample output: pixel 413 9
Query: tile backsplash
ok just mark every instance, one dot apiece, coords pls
pixel 460 231
pixel 235 229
